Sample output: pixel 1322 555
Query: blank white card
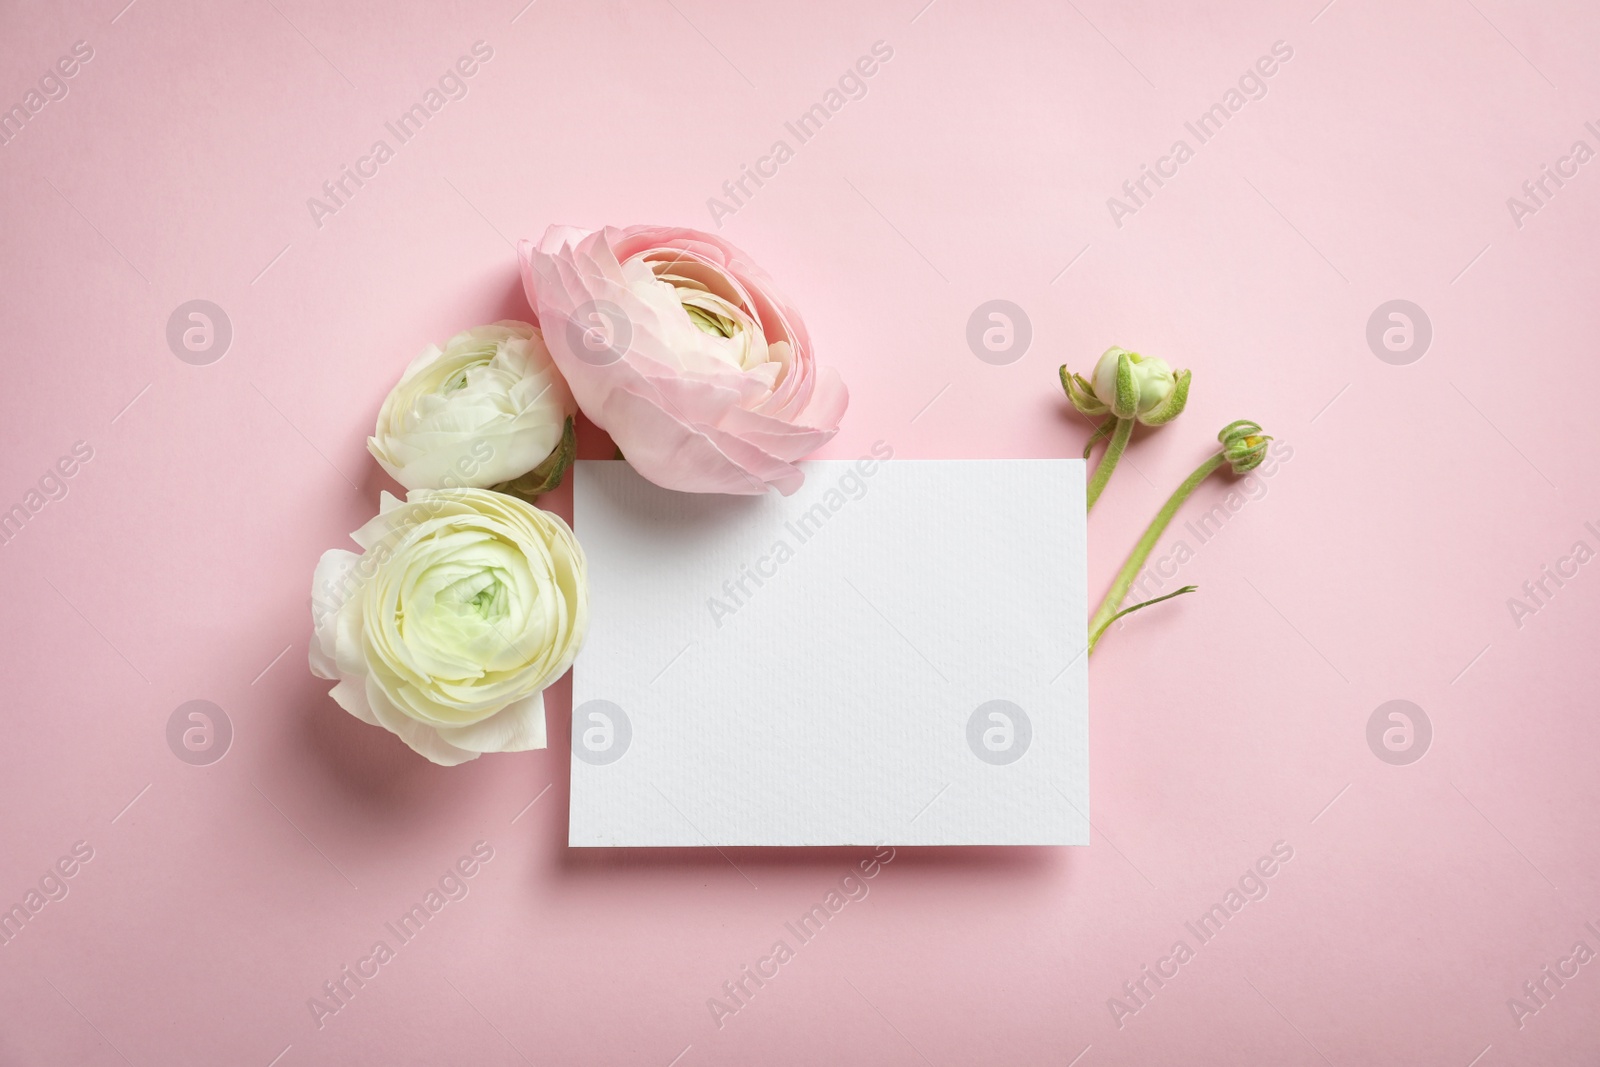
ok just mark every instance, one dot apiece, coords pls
pixel 894 654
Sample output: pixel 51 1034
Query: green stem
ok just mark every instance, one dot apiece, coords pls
pixel 1138 607
pixel 1147 542
pixel 1100 434
pixel 1108 462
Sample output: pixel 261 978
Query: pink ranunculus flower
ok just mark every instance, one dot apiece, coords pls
pixel 680 348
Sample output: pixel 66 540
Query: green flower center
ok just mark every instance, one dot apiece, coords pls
pixel 710 322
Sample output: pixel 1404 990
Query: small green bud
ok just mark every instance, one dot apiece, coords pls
pixel 1244 445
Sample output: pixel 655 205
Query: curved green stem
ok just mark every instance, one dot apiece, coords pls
pixel 1108 462
pixel 1142 604
pixel 1147 542
pixel 1100 434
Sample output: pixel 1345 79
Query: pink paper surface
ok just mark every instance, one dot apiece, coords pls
pixel 1376 563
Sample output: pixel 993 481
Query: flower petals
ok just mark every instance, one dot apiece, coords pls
pixel 711 385
pixel 464 606
pixel 486 408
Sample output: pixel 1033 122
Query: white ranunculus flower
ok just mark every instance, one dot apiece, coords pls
pixel 463 605
pixel 486 409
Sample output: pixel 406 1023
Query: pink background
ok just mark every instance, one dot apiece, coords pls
pixel 1378 565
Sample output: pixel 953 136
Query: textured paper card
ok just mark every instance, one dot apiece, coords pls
pixel 892 654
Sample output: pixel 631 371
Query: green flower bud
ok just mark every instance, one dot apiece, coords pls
pixel 1129 386
pixel 1243 445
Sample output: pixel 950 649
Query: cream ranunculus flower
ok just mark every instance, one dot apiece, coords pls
pixel 462 607
pixel 487 409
